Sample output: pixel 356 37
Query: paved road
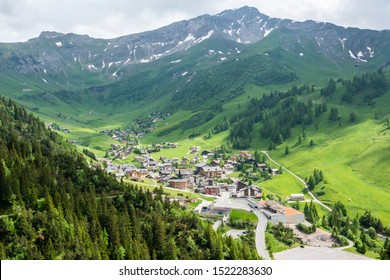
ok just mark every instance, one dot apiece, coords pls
pixel 318 253
pixel 300 179
pixel 241 203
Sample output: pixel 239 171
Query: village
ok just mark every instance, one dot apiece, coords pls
pixel 203 172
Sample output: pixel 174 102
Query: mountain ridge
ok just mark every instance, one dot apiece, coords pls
pixel 106 60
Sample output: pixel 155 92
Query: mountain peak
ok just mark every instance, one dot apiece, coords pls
pixel 50 34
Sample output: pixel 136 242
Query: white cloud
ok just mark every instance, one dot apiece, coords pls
pixel 24 19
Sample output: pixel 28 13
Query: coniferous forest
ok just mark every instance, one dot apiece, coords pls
pixel 54 206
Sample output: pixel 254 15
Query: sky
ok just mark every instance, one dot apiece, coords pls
pixel 21 20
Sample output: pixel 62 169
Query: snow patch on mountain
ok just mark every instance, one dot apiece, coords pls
pixel 268 31
pixel 343 42
pixel 359 56
pixel 370 51
pixel 44 80
pixel 59 44
pixel 91 67
pixel 176 61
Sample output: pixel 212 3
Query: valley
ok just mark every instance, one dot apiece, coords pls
pixel 166 108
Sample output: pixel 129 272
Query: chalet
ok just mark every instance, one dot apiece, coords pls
pixel 185 173
pixel 211 171
pixel 245 155
pixel 205 153
pixel 199 166
pixel 228 168
pixel 166 165
pixel 194 149
pixel 262 166
pixel 214 163
pixel 275 171
pixel 127 168
pixel 150 164
pixel 241 185
pixel 212 190
pixel 138 174
pixel 175 159
pixel 185 160
pixel 250 191
pixel 179 184
pixel 209 182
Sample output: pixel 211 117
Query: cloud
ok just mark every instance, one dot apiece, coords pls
pixel 24 19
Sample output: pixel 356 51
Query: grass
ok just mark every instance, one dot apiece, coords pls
pixel 243 215
pixel 275 244
pixel 354 159
pixel 369 254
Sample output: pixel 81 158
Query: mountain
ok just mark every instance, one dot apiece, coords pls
pixel 70 60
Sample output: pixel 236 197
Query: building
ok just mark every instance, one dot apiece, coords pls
pixel 211 171
pixel 276 212
pixel 250 191
pixel 212 190
pixel 297 197
pixel 181 184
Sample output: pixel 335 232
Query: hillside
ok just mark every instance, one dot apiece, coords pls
pixel 54 206
pixel 238 78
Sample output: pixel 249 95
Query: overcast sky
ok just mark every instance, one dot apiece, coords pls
pixel 21 20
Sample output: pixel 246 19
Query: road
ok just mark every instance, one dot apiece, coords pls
pixel 300 179
pixel 241 203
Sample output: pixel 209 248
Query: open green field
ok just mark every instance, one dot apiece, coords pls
pixel 354 159
pixel 243 215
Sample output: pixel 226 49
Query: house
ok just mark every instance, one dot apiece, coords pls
pixel 185 173
pixel 262 166
pixel 199 167
pixel 194 149
pixel 112 168
pixel 228 168
pixel 241 185
pixel 209 182
pixel 212 190
pixel 179 184
pixel 250 191
pixel 211 171
pixel 185 160
pixel 214 163
pixel 275 171
pixel 297 197
pixel 138 174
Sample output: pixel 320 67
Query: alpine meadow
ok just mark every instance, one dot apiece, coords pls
pixel 228 136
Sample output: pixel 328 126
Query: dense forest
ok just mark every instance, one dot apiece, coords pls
pixel 54 206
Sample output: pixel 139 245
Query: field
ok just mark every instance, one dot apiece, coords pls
pixel 354 159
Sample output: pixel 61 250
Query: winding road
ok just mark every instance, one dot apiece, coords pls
pixel 300 179
pixel 241 203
